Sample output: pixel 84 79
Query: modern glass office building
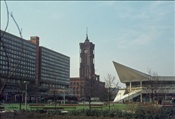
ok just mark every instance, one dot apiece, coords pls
pixel 24 60
pixel 55 69
pixel 17 59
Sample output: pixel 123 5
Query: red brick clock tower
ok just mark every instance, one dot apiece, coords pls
pixel 87 70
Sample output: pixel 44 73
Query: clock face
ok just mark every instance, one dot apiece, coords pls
pixel 85 51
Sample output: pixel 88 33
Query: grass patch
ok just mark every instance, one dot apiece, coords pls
pixel 15 106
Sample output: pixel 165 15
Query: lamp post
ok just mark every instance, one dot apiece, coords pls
pixel 55 98
pixel 26 82
pixel 64 95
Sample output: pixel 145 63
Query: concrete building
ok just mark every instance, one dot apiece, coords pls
pixel 54 70
pixel 18 61
pixel 143 87
pixel 24 60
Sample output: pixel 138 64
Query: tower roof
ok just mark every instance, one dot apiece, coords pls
pixel 86 40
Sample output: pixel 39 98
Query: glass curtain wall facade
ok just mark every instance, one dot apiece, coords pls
pixel 55 68
pixel 17 59
pixel 24 60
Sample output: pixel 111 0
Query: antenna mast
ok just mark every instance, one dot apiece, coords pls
pixel 86 30
pixel 87 35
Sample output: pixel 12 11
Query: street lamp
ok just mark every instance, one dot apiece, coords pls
pixel 64 95
pixel 26 82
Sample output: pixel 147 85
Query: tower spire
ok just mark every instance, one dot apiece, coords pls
pixel 86 30
pixel 87 40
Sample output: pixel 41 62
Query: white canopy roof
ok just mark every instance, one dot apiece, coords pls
pixel 127 74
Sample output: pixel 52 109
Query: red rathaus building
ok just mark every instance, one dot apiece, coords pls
pixel 88 84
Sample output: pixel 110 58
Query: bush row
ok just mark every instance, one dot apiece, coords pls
pixel 140 113
pixel 149 112
pixel 152 112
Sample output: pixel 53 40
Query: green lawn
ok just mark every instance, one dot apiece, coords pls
pixel 105 107
pixel 14 106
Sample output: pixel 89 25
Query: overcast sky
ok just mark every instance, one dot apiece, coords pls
pixel 139 35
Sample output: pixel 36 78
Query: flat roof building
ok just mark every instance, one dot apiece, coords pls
pixel 18 60
pixel 24 60
pixel 54 68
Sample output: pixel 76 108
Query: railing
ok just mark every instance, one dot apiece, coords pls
pixel 131 94
pixel 119 94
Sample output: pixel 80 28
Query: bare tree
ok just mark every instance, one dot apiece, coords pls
pixel 11 67
pixel 153 85
pixel 3 49
pixel 89 88
pixel 20 88
pixel 56 91
pixel 109 83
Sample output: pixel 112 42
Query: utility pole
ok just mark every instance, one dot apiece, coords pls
pixel 64 95
pixel 26 82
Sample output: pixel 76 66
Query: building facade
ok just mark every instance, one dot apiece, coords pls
pixel 18 61
pixel 75 85
pixel 35 40
pixel 87 59
pixel 85 88
pixel 143 87
pixel 54 69
pixel 24 60
pixel 88 84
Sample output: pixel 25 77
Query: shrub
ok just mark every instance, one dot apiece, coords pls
pixel 76 112
pixel 146 112
pixel 153 112
pixel 167 113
